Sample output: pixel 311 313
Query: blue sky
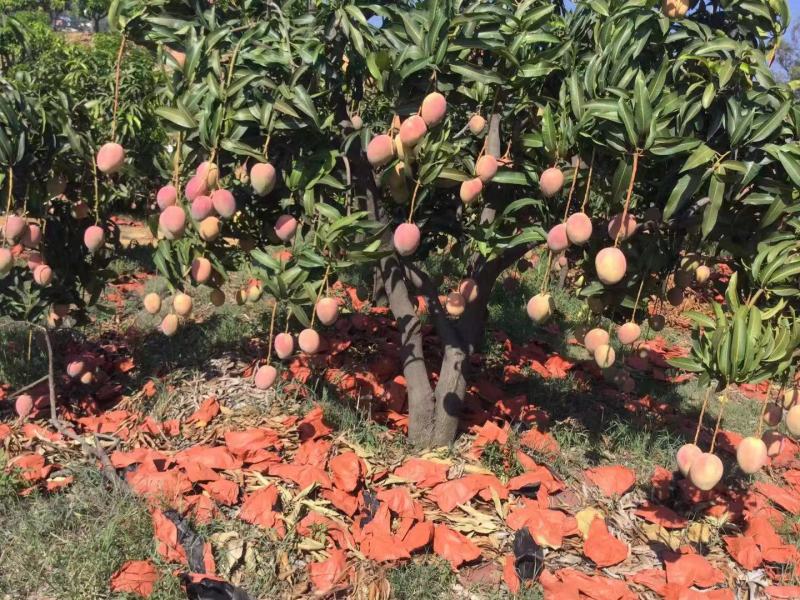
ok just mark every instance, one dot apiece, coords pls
pixel 794 7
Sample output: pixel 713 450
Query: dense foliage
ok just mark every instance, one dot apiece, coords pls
pixel 56 99
pixel 679 115
pixel 655 111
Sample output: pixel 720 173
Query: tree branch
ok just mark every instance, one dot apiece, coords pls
pixel 24 389
pixel 422 282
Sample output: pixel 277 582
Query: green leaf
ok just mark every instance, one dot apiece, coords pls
pixel 626 116
pixel 642 109
pixel 475 73
pixel 708 96
pixel 509 177
pixel 549 132
pixel 702 155
pixel 303 101
pixel 177 117
pixel 529 235
pixel 575 95
pixel 791 165
pixel 716 192
pixel 701 319
pixel 770 124
pixel 732 292
pixel 242 149
pixel 685 364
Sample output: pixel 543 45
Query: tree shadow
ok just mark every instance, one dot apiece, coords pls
pixel 192 348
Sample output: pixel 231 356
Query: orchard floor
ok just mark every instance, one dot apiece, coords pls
pixel 550 444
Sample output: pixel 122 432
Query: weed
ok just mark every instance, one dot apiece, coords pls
pixel 502 460
pixel 258 572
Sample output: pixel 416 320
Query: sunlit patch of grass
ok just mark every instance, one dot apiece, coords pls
pixel 67 545
pixel 432 580
pixel 124 266
pixel 227 330
pixel 358 425
pixel 533 592
pixel 640 446
pixel 248 556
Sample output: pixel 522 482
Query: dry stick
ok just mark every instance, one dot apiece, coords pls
pixel 22 390
pixel 288 319
pixel 572 188
pixel 623 223
pixel 319 294
pixel 25 198
pixel 413 201
pixel 176 166
pixel 546 280
pixel 117 73
pixel 723 402
pixel 505 159
pixel 751 301
pixel 96 193
pixel 636 303
pixel 702 414
pixel 272 329
pixel 109 471
pixel 588 184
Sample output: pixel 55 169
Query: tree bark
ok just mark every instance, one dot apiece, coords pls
pixel 421 398
pixel 450 391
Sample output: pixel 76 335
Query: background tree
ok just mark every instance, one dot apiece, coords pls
pixel 49 7
pixel 56 97
pixel 95 10
pixel 789 53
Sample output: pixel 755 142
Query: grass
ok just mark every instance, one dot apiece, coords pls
pixel 68 545
pixel 741 413
pixel 502 460
pixel 789 530
pixel 11 484
pixel 16 346
pixel 507 310
pixel 422 581
pixel 227 330
pixel 248 557
pixel 358 426
pixel 435 580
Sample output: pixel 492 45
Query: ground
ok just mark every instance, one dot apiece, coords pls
pixel 311 490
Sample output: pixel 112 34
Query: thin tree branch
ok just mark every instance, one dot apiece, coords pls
pixel 24 389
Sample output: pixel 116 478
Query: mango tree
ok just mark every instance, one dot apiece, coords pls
pixel 633 137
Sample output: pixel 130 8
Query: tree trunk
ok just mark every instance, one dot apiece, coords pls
pixel 421 399
pixel 434 415
pixel 450 391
